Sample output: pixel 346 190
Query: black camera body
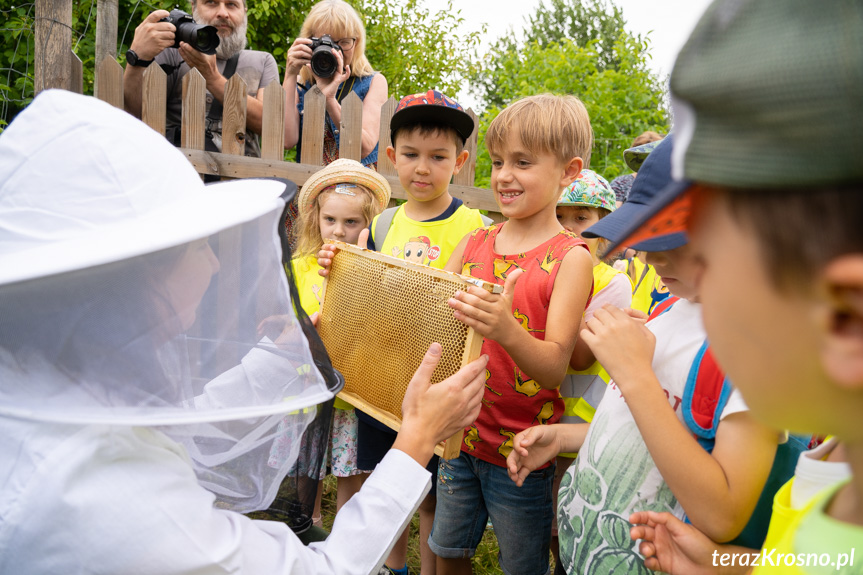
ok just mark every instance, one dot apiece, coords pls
pixel 204 39
pixel 324 60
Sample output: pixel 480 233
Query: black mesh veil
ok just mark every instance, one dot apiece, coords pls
pixel 295 499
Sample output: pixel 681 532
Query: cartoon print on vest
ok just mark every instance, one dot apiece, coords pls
pixel 545 413
pixel 547 264
pixel 524 322
pixel 524 386
pixel 489 388
pixel 468 267
pixel 418 249
pixel 503 268
pixel 471 437
pixel 506 447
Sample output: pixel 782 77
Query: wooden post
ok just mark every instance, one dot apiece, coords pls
pixel 106 34
pixel 234 117
pixel 314 109
pixel 154 98
pixel 273 129
pixel 53 65
pixel 194 110
pixel 466 175
pixel 385 166
pixel 109 82
pixel 351 129
pixel 76 77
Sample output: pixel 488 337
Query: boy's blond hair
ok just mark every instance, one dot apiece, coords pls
pixel 342 21
pixel 559 125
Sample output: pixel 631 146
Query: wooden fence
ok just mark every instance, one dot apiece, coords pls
pixel 231 163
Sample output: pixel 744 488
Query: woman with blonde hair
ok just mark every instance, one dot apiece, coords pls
pixel 352 73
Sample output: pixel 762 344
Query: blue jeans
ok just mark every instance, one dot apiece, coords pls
pixel 470 491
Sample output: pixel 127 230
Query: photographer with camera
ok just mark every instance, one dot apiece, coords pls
pixel 330 54
pixel 179 42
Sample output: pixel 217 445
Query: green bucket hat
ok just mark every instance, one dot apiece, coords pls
pixel 634 157
pixel 766 95
pixel 589 189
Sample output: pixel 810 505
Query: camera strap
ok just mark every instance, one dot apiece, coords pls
pixel 347 87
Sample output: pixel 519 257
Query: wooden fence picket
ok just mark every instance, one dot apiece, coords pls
pixel 194 111
pixel 234 117
pixel 385 166
pixel 465 176
pixel 154 98
pixel 314 108
pixel 351 129
pixel 109 82
pixel 273 129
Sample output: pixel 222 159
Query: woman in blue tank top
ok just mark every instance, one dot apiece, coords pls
pixel 342 24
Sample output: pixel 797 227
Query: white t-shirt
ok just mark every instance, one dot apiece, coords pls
pixel 614 474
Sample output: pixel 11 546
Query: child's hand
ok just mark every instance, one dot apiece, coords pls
pixel 325 258
pixel 489 314
pixel 621 343
pixel 329 251
pixel 531 448
pixel 672 546
pixel 274 326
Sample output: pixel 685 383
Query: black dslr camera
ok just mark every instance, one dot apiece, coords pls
pixel 204 39
pixel 324 60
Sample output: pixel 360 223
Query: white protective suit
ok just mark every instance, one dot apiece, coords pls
pixel 140 410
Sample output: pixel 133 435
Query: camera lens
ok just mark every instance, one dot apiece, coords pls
pixel 206 40
pixel 324 62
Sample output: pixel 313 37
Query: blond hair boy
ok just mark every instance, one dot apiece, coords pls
pixel 538 146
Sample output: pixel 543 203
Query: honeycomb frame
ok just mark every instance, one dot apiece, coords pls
pixel 379 316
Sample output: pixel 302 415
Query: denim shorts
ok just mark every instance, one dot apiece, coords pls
pixel 471 491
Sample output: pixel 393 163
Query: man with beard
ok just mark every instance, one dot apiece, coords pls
pixel 153 42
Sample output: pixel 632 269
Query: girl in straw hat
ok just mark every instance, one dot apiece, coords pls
pixel 337 202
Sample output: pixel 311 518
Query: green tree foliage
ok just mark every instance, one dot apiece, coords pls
pixel 595 59
pixel 416 50
pixel 580 21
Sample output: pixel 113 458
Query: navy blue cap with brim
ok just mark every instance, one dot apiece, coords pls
pixel 652 190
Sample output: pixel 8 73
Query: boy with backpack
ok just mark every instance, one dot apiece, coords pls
pixel 428 133
pixel 771 190
pixel 637 453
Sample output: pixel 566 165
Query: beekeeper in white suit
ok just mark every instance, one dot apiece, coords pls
pixel 140 413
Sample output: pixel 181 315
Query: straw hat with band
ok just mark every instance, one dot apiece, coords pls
pixel 344 171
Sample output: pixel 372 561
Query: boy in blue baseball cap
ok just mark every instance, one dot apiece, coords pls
pixel 770 188
pixel 638 445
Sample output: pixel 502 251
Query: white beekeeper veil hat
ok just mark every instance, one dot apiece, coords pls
pixel 131 294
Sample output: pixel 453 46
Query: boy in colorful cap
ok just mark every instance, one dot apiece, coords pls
pixel 638 445
pixel 428 133
pixel 647 287
pixel 583 203
pixel 770 154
